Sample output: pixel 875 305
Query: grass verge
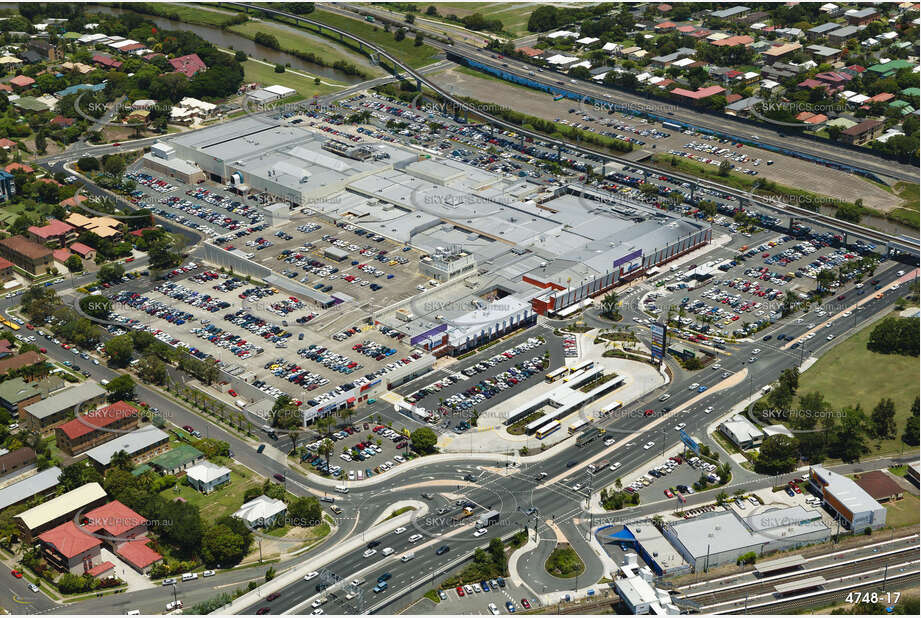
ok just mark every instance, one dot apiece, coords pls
pixel 564 562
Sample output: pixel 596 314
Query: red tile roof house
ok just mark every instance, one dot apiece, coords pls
pixel 6 88
pixel 880 485
pixel 106 61
pixel 61 255
pixel 85 252
pixel 55 234
pixel 21 82
pixel 530 52
pixel 63 121
pixel 70 549
pixel 882 97
pixel 188 65
pixel 6 143
pixel 115 525
pixel 94 428
pixel 139 556
pixel 19 167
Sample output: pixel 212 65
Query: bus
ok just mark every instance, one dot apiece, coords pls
pixel 672 125
pixel 575 375
pixel 614 405
pixel 579 425
pixel 556 374
pixel 582 366
pixel 10 324
pixel 547 429
pixel 558 97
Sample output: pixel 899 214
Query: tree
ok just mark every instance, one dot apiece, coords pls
pixel 910 435
pixel 74 264
pixel 882 419
pixel 609 304
pixel 122 461
pixel 240 56
pixel 305 512
pixel 824 278
pixel 725 166
pixel 326 448
pixel 420 39
pixel 285 414
pixel 222 546
pixel 409 18
pixel 114 165
pixel 95 305
pixel 399 35
pixel 849 443
pixel 152 370
pixel 777 455
pixel 111 272
pixel 431 11
pixel 88 164
pixel 423 440
pixel 279 68
pixel 895 336
pixel 120 349
pixel 121 388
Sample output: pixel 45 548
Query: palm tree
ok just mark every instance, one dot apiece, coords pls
pixel 121 460
pixel 326 449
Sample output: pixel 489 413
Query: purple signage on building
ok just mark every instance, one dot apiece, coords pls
pixel 429 334
pixel 629 257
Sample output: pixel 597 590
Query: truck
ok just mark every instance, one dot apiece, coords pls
pixel 490 517
pixel 467 511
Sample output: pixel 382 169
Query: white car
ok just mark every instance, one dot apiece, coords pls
pixel 648 446
pixel 610 441
pixel 577 487
pixel 693 386
pixel 369 552
pixel 493 609
pixel 311 575
pixel 830 337
pixel 318 611
pixel 479 532
pixel 680 426
pixel 614 466
pixel 708 410
pixel 399 530
pixel 318 602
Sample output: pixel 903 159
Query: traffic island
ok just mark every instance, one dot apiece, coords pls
pixel 564 562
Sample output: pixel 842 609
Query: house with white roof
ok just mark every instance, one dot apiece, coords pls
pixel 206 476
pixel 261 512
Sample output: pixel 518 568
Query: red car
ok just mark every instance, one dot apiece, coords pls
pixel 188 428
pixel 669 494
pixel 263 610
pixel 16 574
pixel 43 350
pixel 525 604
pixel 797 489
pixel 648 413
pixel 232 393
pixel 273 596
pixel 460 590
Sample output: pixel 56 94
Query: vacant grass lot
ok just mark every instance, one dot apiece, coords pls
pixel 903 512
pixel 292 42
pixel 406 49
pixel 265 74
pixel 513 15
pixel 222 501
pixel 851 374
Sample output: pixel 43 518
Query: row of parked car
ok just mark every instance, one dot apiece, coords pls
pixel 329 359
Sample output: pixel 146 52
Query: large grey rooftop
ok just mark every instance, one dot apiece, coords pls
pixel 66 399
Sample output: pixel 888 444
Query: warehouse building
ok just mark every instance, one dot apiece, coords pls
pixel 720 537
pixel 851 505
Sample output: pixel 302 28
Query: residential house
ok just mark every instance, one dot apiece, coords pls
pixel 70 549
pixel 46 415
pixel 176 460
pixel 106 61
pixel 10 461
pixel 95 428
pixel 26 359
pixel 839 36
pixel 263 512
pixel 188 65
pixel 742 432
pixel 54 234
pixel 864 132
pixel 32 257
pixel 731 13
pixel 206 476
pixel 16 394
pixel 861 17
pixel 822 30
pixel 666 60
pixel 22 82
pixel 821 53
pixel 139 556
pixel 58 510
pixel 734 41
pixel 832 10
pixel 888 69
pixel 140 445
pixel 742 107
pixel 699 94
pixel 775 53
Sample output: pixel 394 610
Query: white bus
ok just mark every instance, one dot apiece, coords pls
pixel 580 424
pixel 614 405
pixel 582 366
pixel 556 374
pixel 547 429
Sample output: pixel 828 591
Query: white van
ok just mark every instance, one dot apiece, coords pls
pixel 386 551
pixel 103 382
pixel 187 577
pixel 407 557
pixel 342 489
pixel 415 537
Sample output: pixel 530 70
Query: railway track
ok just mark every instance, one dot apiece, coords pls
pixel 830 573
pixel 902 582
